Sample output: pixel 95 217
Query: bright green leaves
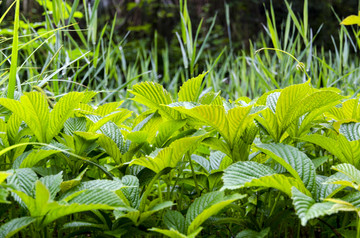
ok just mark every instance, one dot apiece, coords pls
pixel 33 109
pixel 190 90
pixel 231 125
pixel 306 208
pixel 252 174
pixel 292 103
pixel 351 20
pixel 294 161
pixel 199 211
pixel 169 156
pixel 15 225
pixel 346 151
pixel 61 112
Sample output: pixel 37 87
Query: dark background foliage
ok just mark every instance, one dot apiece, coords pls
pixel 144 17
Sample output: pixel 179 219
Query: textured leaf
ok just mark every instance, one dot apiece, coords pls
pixel 63 210
pixel 239 119
pixel 325 188
pixel 271 101
pixel 175 220
pixel 253 234
pixel 112 131
pixel 69 184
pixel 288 100
pixel 294 161
pixel 202 203
pixel 122 115
pixel 33 110
pixel 203 162
pixel 236 175
pixel 213 116
pixel 252 174
pixel 111 148
pixel 15 225
pixel 24 180
pixel 3 176
pixel 210 211
pixel 74 124
pixel 349 170
pixel 169 156
pixel 131 190
pixel 175 234
pixel 328 144
pixel 350 130
pixel 306 208
pixel 36 156
pixel 166 130
pixel 215 159
pixel 190 90
pixel 62 111
pixel 108 108
pixel 98 196
pixel 52 182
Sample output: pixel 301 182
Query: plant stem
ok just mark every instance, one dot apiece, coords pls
pixel 194 175
pixel 148 190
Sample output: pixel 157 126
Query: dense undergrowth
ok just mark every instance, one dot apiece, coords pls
pixel 237 151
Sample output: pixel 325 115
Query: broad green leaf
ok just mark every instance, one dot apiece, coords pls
pixel 3 176
pixel 239 119
pixel 218 145
pixel 346 151
pixel 351 20
pixel 176 234
pixel 97 196
pixel 289 100
pixel 63 210
pixel 175 220
pixel 294 161
pixel 74 124
pixel 325 188
pixel 203 162
pixel 254 234
pixel 52 182
pixel 350 130
pixel 169 156
pixel 112 131
pixel 350 171
pixel 108 108
pixel 214 116
pixel 15 225
pixel 111 148
pixel 236 175
pixel 216 158
pixel 328 144
pixel 154 96
pixel 201 203
pixel 166 130
pixel 306 208
pixel 131 190
pixel 33 110
pixel 210 211
pixel 271 101
pixel 190 90
pixel 121 114
pixel 23 179
pixel 252 174
pixel 62 111
pixel 349 110
pixel 138 136
pixel 36 156
pixel 69 184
